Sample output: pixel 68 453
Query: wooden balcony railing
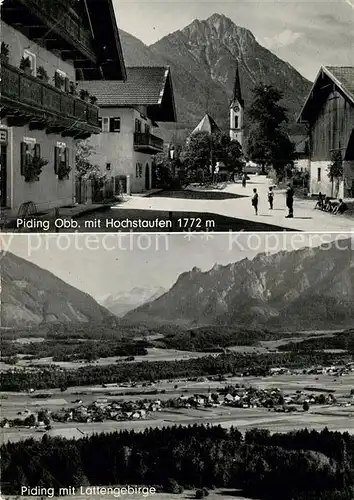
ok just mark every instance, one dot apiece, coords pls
pixel 147 141
pixel 61 19
pixel 26 94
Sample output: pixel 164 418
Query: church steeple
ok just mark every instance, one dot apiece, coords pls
pixel 236 110
pixel 237 95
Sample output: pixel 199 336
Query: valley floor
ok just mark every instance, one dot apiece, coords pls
pixel 337 417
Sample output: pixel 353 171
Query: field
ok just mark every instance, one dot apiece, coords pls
pixel 335 417
pixel 154 354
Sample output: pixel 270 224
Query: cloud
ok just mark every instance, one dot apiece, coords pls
pixel 283 39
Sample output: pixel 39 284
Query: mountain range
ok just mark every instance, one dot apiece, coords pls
pixel 203 58
pixel 312 288
pixel 124 302
pixel 31 296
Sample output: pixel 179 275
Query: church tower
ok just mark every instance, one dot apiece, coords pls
pixel 236 111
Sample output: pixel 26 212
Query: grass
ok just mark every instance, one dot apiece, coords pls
pixel 334 417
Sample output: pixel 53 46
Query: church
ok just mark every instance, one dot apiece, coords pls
pixel 236 114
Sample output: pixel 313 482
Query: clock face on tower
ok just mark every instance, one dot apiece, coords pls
pixel 236 107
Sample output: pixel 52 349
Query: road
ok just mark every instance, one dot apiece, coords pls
pixel 199 209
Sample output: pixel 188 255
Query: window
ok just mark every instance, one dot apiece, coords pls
pixel 236 121
pixel 114 124
pixel 108 166
pixel 100 123
pixel 138 170
pixel 33 60
pixel 147 129
pixel 61 156
pixel 137 125
pixel 318 175
pixel 105 124
pixel 29 150
pixel 60 80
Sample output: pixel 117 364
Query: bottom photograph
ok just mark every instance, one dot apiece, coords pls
pixel 177 366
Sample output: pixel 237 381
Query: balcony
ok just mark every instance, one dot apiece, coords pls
pixel 37 18
pixel 25 99
pixel 147 143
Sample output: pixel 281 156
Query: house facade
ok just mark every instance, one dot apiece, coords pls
pixel 47 47
pixel 328 114
pixel 129 116
pixel 302 158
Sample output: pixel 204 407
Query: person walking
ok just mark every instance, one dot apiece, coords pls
pixel 290 201
pixel 244 180
pixel 255 201
pixel 270 197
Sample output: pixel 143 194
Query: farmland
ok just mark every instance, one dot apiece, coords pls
pixel 339 416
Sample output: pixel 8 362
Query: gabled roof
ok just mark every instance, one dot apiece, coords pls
pixel 342 78
pixel 145 86
pixel 84 32
pixel 206 124
pixel 300 142
pixel 105 32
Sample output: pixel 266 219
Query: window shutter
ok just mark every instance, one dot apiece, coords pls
pixel 67 84
pixel 23 157
pixel 66 157
pixel 56 159
pixel 111 124
pixel 37 150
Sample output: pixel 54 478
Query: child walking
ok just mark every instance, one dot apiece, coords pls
pixel 255 201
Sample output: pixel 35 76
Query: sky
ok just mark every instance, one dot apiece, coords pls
pixel 103 265
pixel 307 34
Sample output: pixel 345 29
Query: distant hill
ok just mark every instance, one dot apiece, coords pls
pixel 124 302
pixel 31 295
pixel 202 57
pixel 312 288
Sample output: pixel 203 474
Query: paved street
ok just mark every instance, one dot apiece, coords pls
pixel 238 206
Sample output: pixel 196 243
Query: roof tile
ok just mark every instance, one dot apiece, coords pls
pixel 144 86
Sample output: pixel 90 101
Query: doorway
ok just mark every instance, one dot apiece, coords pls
pixel 3 176
pixel 147 177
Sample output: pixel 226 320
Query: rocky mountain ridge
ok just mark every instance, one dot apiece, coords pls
pixel 203 57
pixel 312 288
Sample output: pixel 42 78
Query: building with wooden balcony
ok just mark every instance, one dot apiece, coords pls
pixel 129 114
pixel 328 113
pixel 47 47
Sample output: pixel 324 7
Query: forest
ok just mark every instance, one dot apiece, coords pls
pixel 341 340
pixel 72 349
pixel 302 465
pixel 51 376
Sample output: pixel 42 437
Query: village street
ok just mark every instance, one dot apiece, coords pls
pixel 233 201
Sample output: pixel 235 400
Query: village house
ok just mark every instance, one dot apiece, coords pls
pixel 129 114
pixel 302 158
pixel 47 46
pixel 328 113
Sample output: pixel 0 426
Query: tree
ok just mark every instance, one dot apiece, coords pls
pixel 203 150
pixel 268 141
pixel 335 169
pixel 84 168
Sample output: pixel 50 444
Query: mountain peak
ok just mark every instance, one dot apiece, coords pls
pixel 218 24
pixel 307 288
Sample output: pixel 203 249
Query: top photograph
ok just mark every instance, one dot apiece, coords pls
pixel 176 116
